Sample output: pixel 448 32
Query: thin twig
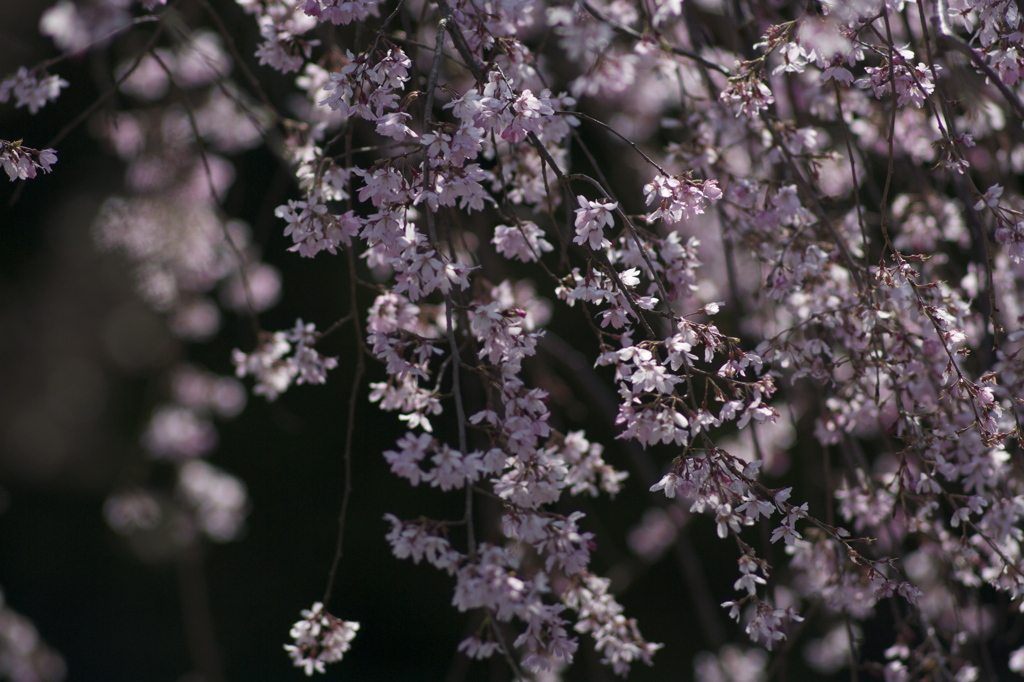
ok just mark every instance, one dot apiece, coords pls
pixel 357 380
pixel 617 134
pixel 625 30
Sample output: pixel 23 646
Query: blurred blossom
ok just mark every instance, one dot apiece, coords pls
pixel 148 173
pixel 219 499
pixel 176 246
pixel 264 289
pixel 201 60
pixel 76 26
pixel 1017 661
pixel 228 397
pixel 196 319
pixel 206 181
pixel 24 657
pixel 131 511
pixel 831 653
pixel 122 130
pixel 732 664
pixel 656 532
pixel 148 80
pixel 229 122
pixel 176 433
pixel 205 391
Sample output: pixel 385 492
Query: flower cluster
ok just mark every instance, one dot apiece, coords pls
pixel 283 358
pixel 282 26
pixel 591 219
pixel 679 198
pixel 898 75
pixel 375 84
pixel 995 26
pixel 748 94
pixel 23 162
pixel 341 11
pixel 320 638
pixel 30 90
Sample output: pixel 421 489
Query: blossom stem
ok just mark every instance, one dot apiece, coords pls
pixel 350 429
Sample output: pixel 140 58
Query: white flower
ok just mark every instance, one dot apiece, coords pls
pixel 591 219
pixel 990 199
pixel 393 125
pixel 669 483
pixel 320 638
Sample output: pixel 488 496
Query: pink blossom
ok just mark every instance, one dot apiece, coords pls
pixel 320 638
pixel 591 219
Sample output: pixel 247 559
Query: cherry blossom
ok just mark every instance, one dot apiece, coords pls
pixel 22 162
pixel 821 231
pixel 591 219
pixel 30 91
pixel 320 638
